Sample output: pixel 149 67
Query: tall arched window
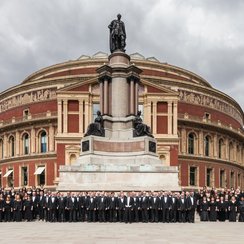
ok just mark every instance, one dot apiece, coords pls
pixel 11 146
pixel 26 146
pixel 221 144
pixel 206 146
pixel 43 141
pixel 191 142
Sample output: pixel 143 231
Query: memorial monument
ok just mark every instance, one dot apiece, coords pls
pixel 118 151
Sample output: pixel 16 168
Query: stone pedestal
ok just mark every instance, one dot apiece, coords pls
pixel 118 161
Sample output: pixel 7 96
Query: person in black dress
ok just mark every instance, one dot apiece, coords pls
pixel 28 208
pixel 222 209
pixel 1 207
pixel 204 209
pixel 18 205
pixel 232 209
pixel 241 209
pixel 212 210
pixel 7 209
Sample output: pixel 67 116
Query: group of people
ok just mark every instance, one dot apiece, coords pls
pixel 164 206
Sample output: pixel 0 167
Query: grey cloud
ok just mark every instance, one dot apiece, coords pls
pixel 202 36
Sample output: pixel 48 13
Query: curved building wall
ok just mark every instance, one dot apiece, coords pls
pixel 42 120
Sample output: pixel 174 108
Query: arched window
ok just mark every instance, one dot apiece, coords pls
pixel 11 146
pixel 26 146
pixel 43 141
pixel 206 146
pixel 191 142
pixel 72 158
pixel 221 145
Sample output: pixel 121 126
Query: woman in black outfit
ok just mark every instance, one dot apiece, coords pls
pixel 212 210
pixel 222 209
pixel 1 207
pixel 232 209
pixel 7 209
pixel 204 209
pixel 18 208
pixel 28 208
pixel 241 209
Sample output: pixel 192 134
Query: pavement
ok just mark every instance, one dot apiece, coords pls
pixel 58 233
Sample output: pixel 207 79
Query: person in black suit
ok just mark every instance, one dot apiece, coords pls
pixel 52 207
pixel 144 207
pixel 182 208
pixel 190 207
pixel 173 207
pixel 17 208
pixel 41 206
pixel 45 207
pixel 121 206
pixel 91 206
pixel 35 201
pixel 101 207
pixel 8 209
pixel 165 203
pixel 28 208
pixel 154 206
pixel 112 207
pixel 129 202
pixel 82 203
pixel 1 207
pixel 71 206
pixel 136 207
pixel 61 204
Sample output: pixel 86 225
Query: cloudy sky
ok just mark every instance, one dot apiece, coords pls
pixel 205 37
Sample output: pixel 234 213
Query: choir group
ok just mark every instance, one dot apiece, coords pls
pixel 43 205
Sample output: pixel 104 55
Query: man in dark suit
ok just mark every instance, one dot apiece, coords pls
pixel 91 206
pixel 61 204
pixel 121 206
pixel 71 206
pixel 129 202
pixel 35 201
pixel 41 206
pixel 173 207
pixel 52 207
pixel 144 207
pixel 154 206
pixel 182 208
pixel 46 211
pixel 165 207
pixel 136 207
pixel 191 204
pixel 101 207
pixel 112 207
pixel 82 203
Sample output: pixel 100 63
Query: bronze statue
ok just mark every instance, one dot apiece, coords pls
pixel 117 35
pixel 96 128
pixel 141 129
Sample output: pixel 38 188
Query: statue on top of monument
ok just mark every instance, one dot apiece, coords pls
pixel 96 128
pixel 117 35
pixel 140 129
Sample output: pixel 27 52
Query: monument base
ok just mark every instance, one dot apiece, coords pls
pixel 76 179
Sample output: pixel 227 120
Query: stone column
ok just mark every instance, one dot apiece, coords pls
pixel 132 96
pixel 65 116
pixel 136 96
pixel 32 141
pixel 183 140
pixel 106 96
pixel 86 113
pixel 81 116
pixel 101 97
pixel 226 156
pixel 154 117
pixel 17 142
pixel 169 117
pixel 201 144
pixel 51 138
pixel 60 116
pixel 5 146
pixel 215 146
pixel 175 118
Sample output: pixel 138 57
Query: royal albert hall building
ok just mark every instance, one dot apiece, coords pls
pixel 42 120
